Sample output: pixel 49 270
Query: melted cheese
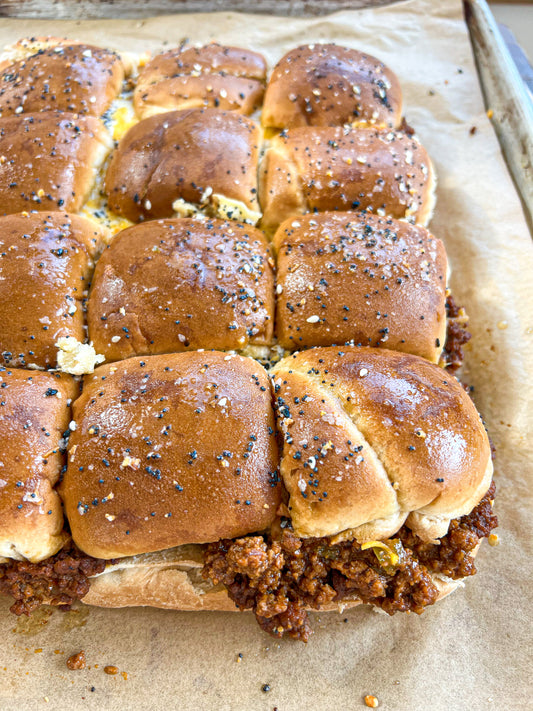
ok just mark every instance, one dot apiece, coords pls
pixel 118 119
pixel 234 210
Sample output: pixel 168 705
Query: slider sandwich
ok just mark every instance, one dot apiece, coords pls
pixel 328 85
pixel 49 160
pixel 34 415
pixel 353 277
pixel 181 161
pixel 212 76
pixel 173 285
pixel 56 75
pixel 317 168
pixel 46 264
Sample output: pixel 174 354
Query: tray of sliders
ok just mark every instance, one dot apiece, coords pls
pixel 352 460
pixel 228 336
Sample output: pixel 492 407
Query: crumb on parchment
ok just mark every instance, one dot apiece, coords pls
pixel 77 661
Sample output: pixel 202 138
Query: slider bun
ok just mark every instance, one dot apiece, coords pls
pixel 389 438
pixel 170 450
pixel 327 85
pixel 35 413
pixel 169 579
pixel 357 277
pixel 172 579
pixel 227 78
pixel 45 269
pixel 62 76
pixel 176 285
pixel 50 160
pixel 183 154
pixel 318 169
pixel 28 46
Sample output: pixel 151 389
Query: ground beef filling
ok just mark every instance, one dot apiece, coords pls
pixel 456 335
pixel 59 580
pixel 279 579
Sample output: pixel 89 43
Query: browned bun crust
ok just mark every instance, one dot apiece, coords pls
pixel 182 154
pixel 70 77
pixel 49 160
pixel 328 85
pixel 177 285
pixel 34 415
pixel 389 438
pixel 172 579
pixel 355 277
pixel 170 450
pixel 45 269
pixel 28 46
pixel 317 169
pixel 215 76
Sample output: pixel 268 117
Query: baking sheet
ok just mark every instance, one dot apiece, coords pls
pixel 469 651
pixel 506 93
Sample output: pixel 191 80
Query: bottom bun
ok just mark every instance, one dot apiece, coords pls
pixel 172 579
pixel 169 579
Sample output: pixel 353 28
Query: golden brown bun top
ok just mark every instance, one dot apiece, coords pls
pixel 34 414
pixel 328 85
pixel 176 285
pixel 182 154
pixel 349 276
pixel 170 450
pixel 227 78
pixel 375 438
pixel 49 160
pixel 70 77
pixel 54 225
pixel 45 269
pixel 317 169
pixel 211 58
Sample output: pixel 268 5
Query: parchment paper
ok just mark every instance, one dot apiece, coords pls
pixel 469 651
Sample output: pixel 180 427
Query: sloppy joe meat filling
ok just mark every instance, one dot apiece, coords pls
pixel 59 580
pixel 279 579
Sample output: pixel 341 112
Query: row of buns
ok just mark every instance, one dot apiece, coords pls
pixel 315 85
pixel 195 479
pixel 184 284
pixel 178 449
pixel 341 147
pixel 187 161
